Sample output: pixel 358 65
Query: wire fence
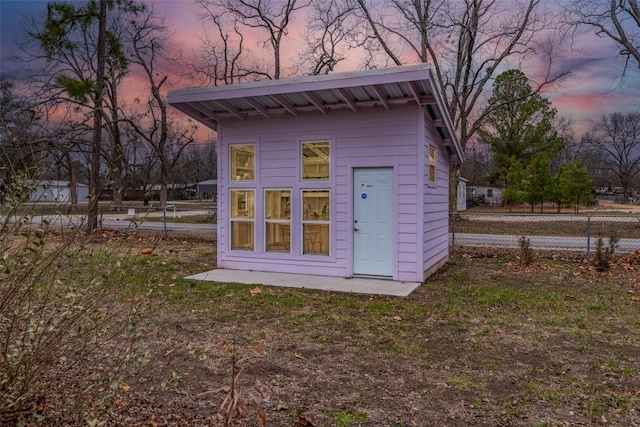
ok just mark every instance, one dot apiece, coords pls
pixel 545 232
pixel 198 218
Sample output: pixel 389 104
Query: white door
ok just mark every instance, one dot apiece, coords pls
pixel 373 221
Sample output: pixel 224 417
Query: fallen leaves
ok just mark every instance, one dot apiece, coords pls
pixel 255 291
pixel 304 421
pixel 146 251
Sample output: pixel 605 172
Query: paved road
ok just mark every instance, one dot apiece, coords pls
pixel 124 224
pixel 494 240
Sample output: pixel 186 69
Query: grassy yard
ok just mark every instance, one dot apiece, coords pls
pixel 487 341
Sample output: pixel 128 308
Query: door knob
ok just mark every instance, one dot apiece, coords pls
pixel 355 228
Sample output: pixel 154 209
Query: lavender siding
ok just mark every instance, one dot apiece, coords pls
pixel 371 138
pixel 435 241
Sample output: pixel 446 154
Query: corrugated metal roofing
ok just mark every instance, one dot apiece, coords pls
pixel 385 87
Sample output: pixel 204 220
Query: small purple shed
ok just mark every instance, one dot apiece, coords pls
pixel 344 174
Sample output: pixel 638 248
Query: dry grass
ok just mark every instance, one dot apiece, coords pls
pixel 487 341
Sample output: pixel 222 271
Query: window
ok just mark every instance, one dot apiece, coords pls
pixel 315 222
pixel 242 219
pixel 277 212
pixel 242 162
pixel 315 160
pixel 432 164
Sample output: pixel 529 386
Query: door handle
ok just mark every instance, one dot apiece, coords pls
pixel 355 229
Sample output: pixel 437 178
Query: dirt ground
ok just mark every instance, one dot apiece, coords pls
pixel 485 342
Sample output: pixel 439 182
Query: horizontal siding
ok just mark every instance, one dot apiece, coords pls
pixel 370 138
pixel 436 202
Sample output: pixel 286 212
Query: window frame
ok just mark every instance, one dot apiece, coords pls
pixel 321 222
pixel 268 221
pixel 232 165
pixel 249 219
pixel 432 167
pixel 302 160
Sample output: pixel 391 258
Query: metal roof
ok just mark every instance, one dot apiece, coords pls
pixel 354 91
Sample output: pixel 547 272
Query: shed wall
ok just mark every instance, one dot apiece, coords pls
pixel 370 138
pixel 435 233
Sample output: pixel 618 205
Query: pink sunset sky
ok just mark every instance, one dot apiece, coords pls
pixel 594 88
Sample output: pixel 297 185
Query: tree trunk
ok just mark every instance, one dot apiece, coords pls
pixel 94 176
pixel 117 154
pixel 454 177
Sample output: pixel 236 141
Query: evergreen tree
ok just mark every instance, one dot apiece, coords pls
pixel 575 184
pixel 518 123
pixel 513 183
pixel 538 181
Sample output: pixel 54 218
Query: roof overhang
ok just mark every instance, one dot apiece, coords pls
pixel 353 91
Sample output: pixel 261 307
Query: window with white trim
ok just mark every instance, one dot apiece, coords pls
pixel 277 212
pixel 242 162
pixel 316 160
pixel 242 219
pixel 315 221
pixel 432 164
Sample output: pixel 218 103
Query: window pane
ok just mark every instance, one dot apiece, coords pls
pixel 241 235
pixel 315 160
pixel 242 204
pixel 316 239
pixel 242 162
pixel 278 237
pixel 277 215
pixel 432 164
pixel 278 204
pixel 315 205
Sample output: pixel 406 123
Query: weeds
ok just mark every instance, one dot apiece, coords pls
pixel 345 419
pixel 526 252
pixel 235 405
pixel 60 303
pixel 604 255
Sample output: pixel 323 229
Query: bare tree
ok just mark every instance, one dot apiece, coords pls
pixel 618 20
pixel 78 49
pixel 22 147
pixel 466 42
pixel 225 59
pixel 167 137
pixel 270 17
pixel 330 27
pixel 617 135
pixel 198 163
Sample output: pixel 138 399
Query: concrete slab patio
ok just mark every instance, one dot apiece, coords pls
pixel 358 285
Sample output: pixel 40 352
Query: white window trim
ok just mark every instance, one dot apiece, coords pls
pixel 301 162
pixel 249 220
pixel 276 221
pixel 255 162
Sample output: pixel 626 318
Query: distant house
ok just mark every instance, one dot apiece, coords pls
pixel 174 192
pixel 58 191
pixel 481 195
pixel 207 190
pixel 344 174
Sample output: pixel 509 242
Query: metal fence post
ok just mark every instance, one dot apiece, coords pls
pixel 453 230
pixel 588 236
pixel 164 220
